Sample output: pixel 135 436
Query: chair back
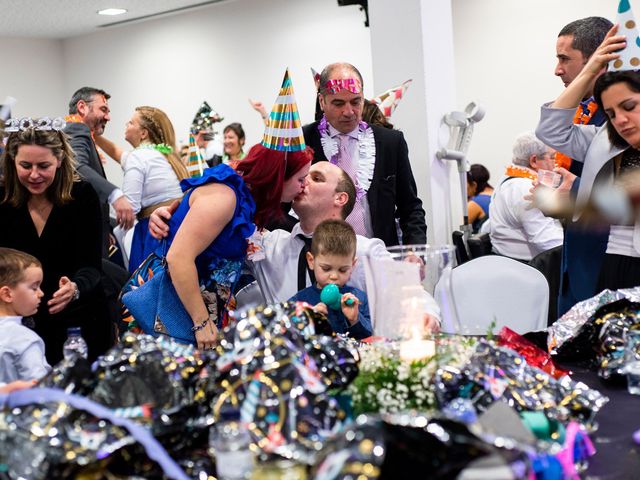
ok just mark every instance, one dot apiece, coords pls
pixel 479 245
pixel 249 296
pixel 462 255
pixel 494 287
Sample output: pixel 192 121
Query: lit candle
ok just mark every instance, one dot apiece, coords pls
pixel 417 349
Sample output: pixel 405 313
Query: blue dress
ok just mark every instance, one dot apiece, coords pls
pixel 219 265
pixel 336 318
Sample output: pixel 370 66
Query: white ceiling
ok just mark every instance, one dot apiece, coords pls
pixel 69 18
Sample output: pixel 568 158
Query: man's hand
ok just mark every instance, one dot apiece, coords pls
pixel 431 324
pixel 62 296
pixel 159 220
pixel 124 213
pixel 553 202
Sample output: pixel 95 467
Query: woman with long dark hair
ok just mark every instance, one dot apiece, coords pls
pixel 608 152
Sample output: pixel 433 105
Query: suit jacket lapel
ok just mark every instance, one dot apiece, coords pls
pixel 316 144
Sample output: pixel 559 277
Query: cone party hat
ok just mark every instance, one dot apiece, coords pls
pixel 284 131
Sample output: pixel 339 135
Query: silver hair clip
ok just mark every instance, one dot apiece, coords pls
pixel 44 123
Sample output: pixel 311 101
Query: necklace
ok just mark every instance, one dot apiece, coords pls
pixel 160 147
pixel 521 172
pixel 366 153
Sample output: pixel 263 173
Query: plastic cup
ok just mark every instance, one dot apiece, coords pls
pixel 549 178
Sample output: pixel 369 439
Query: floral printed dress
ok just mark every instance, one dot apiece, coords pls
pixel 220 264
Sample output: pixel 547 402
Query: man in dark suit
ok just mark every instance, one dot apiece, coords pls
pixel 376 158
pixel 88 116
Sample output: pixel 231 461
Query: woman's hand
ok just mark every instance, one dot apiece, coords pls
pixel 206 337
pixel 62 296
pixel 159 220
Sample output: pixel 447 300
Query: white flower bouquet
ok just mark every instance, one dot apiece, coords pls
pixel 388 384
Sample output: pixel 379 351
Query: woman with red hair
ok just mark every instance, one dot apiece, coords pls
pixel 274 177
pixel 208 231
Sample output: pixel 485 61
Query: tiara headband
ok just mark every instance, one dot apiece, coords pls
pixel 352 85
pixel 25 123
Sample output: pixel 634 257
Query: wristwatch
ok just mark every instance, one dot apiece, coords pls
pixel 76 293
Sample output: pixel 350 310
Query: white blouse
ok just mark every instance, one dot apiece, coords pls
pixel 148 178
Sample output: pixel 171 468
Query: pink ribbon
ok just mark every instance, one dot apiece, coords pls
pixel 352 85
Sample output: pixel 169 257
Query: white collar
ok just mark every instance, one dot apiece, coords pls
pixel 11 319
pixel 297 230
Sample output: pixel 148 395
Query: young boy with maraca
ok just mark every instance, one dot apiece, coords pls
pixel 332 257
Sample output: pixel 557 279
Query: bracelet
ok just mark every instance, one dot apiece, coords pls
pixel 197 328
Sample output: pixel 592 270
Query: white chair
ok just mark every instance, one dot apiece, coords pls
pixel 249 296
pixel 494 287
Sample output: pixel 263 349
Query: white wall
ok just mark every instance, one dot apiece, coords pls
pixel 32 72
pixel 505 58
pixel 223 53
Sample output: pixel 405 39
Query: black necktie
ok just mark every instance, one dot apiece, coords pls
pixel 303 266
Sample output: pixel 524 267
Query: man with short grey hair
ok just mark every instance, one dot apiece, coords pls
pixel 517 230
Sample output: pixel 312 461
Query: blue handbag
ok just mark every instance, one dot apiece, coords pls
pixel 157 309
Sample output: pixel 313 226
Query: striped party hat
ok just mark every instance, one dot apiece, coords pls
pixel 195 165
pixel 630 55
pixel 388 101
pixel 284 131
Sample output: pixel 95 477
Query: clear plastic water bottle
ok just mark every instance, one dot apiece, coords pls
pixel 229 440
pixel 74 346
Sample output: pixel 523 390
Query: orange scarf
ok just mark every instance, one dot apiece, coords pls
pixel 579 118
pixel 75 118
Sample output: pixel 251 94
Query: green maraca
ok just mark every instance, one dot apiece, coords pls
pixel 332 298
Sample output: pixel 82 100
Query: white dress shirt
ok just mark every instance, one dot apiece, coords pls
pixel 148 178
pixel 517 230
pixel 21 352
pixel 278 272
